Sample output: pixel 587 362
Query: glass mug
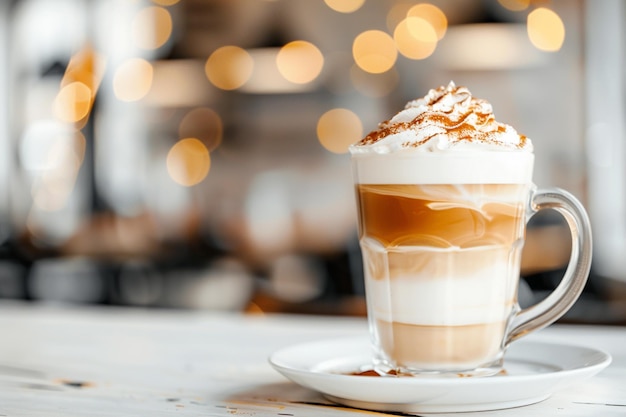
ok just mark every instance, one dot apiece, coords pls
pixel 441 237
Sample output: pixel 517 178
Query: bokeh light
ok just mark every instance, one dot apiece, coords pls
pixel 229 67
pixel 132 79
pixel 79 86
pixel 300 62
pixel 204 124
pixel 515 5
pixel 86 66
pixel 433 15
pixel 151 27
pixel 188 162
pixel 165 2
pixel 344 6
pixel 546 30
pixel 415 38
pixel 338 128
pixel 374 51
pixel 73 102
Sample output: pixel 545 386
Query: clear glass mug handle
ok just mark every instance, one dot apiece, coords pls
pixel 569 289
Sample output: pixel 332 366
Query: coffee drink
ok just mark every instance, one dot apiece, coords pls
pixel 444 193
pixel 441 269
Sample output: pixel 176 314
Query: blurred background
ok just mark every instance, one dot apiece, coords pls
pixel 193 153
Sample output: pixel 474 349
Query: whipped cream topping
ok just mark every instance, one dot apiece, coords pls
pixel 446 119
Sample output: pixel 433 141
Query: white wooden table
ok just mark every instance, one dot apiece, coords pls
pixel 108 361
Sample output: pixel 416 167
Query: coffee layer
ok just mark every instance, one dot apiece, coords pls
pixel 442 216
pixel 454 348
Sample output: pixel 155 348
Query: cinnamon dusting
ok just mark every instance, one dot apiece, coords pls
pixel 451 111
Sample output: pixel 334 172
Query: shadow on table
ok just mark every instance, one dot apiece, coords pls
pixel 282 398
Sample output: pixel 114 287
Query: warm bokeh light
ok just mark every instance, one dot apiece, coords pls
pixel 344 6
pixel 545 29
pixel 374 51
pixel 132 79
pixel 165 2
pixel 151 27
pixel 433 15
pixel 73 102
pixel 188 162
pixel 266 77
pixel 79 85
pixel 415 38
pixel 374 85
pixel 86 66
pixel 204 124
pixel 338 128
pixel 300 62
pixel 229 67
pixel 515 5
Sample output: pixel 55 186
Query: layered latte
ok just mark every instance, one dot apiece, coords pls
pixel 442 190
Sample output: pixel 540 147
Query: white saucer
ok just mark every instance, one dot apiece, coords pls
pixel 534 371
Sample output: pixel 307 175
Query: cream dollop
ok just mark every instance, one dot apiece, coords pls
pixel 446 119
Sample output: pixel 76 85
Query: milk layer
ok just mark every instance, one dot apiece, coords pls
pixel 445 292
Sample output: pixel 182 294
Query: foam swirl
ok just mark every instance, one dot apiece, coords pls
pixel 446 119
